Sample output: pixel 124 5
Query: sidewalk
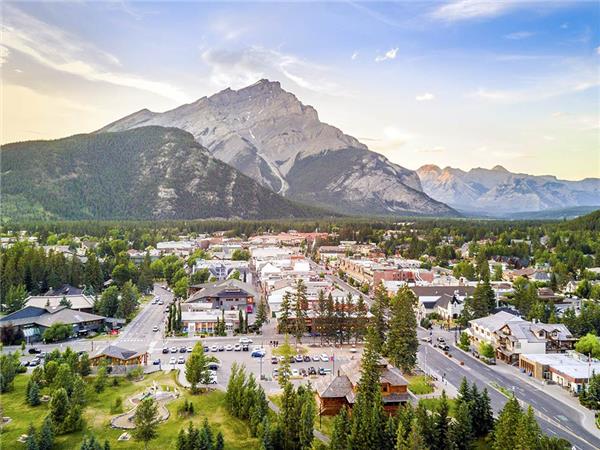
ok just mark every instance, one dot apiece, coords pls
pixel 587 416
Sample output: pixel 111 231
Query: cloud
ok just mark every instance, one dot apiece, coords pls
pixel 354 56
pixel 4 52
pixel 427 96
pixel 390 54
pixel 438 149
pixel 518 35
pixel 239 68
pixel 598 50
pixel 61 51
pixel 471 9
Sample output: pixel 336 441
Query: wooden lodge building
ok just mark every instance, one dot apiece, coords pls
pixel 337 390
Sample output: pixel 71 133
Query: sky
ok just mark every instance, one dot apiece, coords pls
pixel 460 83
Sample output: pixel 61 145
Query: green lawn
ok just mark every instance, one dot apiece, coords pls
pixel 97 417
pixel 419 384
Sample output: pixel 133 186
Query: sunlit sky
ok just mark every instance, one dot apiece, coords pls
pixel 459 83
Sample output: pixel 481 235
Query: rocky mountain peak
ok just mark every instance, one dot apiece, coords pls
pixel 499 168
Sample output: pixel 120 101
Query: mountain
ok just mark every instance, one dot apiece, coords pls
pixel 145 173
pixel 498 192
pixel 269 135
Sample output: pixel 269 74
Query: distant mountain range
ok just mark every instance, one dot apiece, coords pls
pixel 268 134
pixel 146 173
pixel 500 193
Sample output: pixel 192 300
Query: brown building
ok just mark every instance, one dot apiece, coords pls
pixel 117 356
pixel 338 390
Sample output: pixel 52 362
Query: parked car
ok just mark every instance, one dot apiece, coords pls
pixel 173 349
pixel 237 348
pixel 312 370
pixel 229 347
pixel 214 348
pixel 172 360
pixel 156 362
pixel 160 302
pixel 258 352
pixel 324 357
pixel 321 371
pixel 181 360
pixel 24 363
pixel 275 373
pixel 245 340
pixel 299 358
pixel 221 348
pixel 206 348
pixel 426 339
pixel 274 360
pixel 245 347
pixel 316 358
pixel 34 362
pixel 443 346
pixel 189 349
pixel 34 351
pixel 213 366
pixel 353 349
pixel 303 372
pixel 165 350
pixel 306 358
pixel 155 328
pixel 295 373
pixel 213 378
pixel 182 350
pixel 292 359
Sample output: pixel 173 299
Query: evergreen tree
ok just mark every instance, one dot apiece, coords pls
pixel 196 367
pixel 424 422
pixel 402 342
pixel 360 319
pixel 341 430
pixel 300 308
pixel 367 413
pixel 461 433
pixel 205 441
pixel 307 419
pixel 46 437
pixel 379 308
pixel 483 300
pixel 329 327
pixel 441 424
pixel 92 274
pixel 528 432
pixel 261 313
pixel 59 409
pixel 288 417
pixel 482 415
pixel 508 421
pixel 146 421
pixel 401 438
pixel 285 313
pixel 33 393
pixel 219 442
pixel 31 442
pixel 415 438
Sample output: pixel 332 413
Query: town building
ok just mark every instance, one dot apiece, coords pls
pixel 569 370
pixel 118 356
pixel 32 321
pixel 337 390
pixel 224 295
pixel 78 302
pixel 510 335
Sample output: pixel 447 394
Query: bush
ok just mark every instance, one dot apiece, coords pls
pixel 57 332
pixel 117 406
pixel 486 350
pixel 464 342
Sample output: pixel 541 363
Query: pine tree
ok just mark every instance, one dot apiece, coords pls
pixel 401 438
pixel 196 367
pixel 460 433
pixel 389 433
pixel 46 437
pixel 528 432
pixel 307 419
pixel 33 393
pixel 380 306
pixel 285 312
pixel 300 308
pixel 31 442
pixel 206 437
pixel 402 342
pixel 508 421
pixel 424 422
pixel 415 438
pixel 341 430
pixel 146 421
pixel 367 413
pixel 59 409
pixel 360 319
pixel 219 442
pixel 320 326
pixel 482 415
pixel 441 424
pixel 288 417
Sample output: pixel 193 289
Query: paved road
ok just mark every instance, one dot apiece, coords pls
pixel 554 417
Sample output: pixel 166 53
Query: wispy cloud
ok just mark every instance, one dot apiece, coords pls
pixel 425 97
pixel 354 56
pixel 518 35
pixel 390 54
pixel 459 10
pixel 4 52
pixel 61 51
pixel 598 50
pixel 239 68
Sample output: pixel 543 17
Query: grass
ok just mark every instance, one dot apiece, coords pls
pixel 507 393
pixel 433 403
pixel 419 384
pixel 97 416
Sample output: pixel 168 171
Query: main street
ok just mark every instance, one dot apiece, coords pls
pixel 555 417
